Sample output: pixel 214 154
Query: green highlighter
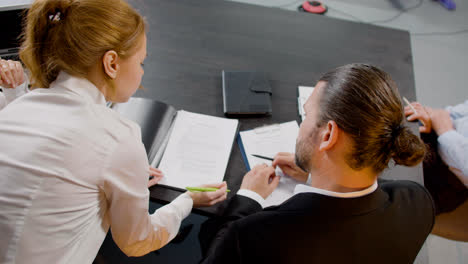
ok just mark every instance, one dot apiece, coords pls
pixel 201 189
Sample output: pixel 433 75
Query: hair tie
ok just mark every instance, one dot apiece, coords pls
pixel 396 131
pixel 56 17
pixel 58 14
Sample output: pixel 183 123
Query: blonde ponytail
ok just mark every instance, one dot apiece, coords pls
pixel 73 35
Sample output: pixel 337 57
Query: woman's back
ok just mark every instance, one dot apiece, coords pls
pixel 70 166
pixel 59 150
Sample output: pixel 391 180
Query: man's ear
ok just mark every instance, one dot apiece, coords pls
pixel 329 136
pixel 110 63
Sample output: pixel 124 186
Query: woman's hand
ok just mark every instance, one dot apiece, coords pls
pixel 441 121
pixel 422 113
pixel 157 175
pixel 11 73
pixel 201 199
pixel 433 119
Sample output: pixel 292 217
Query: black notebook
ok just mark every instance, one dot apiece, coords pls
pixel 191 149
pixel 246 93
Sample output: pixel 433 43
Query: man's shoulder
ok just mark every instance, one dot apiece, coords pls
pixel 376 217
pixel 404 196
pixel 298 206
pixel 407 190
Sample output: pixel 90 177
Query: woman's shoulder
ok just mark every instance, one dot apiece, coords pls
pixel 118 125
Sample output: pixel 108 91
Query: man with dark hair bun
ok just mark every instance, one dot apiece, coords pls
pixel 354 126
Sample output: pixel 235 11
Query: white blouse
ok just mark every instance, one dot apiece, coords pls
pixel 70 168
pixel 9 95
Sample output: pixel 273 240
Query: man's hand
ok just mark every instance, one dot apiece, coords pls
pixel 422 114
pixel 201 199
pixel 285 161
pixel 157 176
pixel 441 121
pixel 11 73
pixel 261 179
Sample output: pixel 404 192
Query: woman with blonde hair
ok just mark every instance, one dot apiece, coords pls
pixel 71 168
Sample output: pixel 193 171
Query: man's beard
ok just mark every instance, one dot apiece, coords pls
pixel 304 151
pixel 302 156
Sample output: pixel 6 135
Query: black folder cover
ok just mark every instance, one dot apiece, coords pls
pixel 155 119
pixel 246 93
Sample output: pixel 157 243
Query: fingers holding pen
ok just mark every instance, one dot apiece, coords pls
pixel 209 198
pixel 219 195
pixel 286 161
pixel 416 111
pixel 261 179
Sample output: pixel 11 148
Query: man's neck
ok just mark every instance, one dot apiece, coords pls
pixel 342 179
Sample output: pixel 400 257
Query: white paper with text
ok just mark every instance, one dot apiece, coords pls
pixel 198 150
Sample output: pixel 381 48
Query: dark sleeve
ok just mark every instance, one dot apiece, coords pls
pixel 219 235
pixel 241 206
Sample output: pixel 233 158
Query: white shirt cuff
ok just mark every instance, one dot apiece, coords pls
pixel 252 195
pixel 184 203
pixel 451 149
pixel 447 141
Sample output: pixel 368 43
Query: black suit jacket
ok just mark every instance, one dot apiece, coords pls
pixel 389 225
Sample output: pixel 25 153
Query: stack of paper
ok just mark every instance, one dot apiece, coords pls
pixel 304 93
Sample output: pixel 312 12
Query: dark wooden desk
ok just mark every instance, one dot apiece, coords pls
pixel 191 42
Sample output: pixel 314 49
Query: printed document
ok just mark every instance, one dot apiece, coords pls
pixel 198 150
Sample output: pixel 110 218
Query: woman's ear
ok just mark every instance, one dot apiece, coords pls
pixel 110 63
pixel 329 136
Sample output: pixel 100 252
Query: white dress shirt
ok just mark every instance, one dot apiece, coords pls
pixel 302 188
pixel 9 95
pixel 70 169
pixel 453 145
